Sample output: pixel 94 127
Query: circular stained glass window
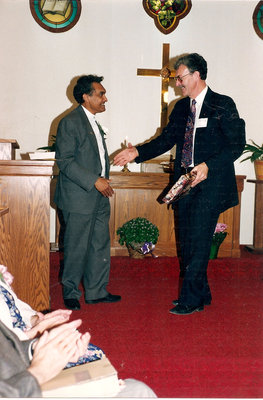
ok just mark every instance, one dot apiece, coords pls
pixel 56 15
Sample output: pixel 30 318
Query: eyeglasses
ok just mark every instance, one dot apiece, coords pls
pixel 180 78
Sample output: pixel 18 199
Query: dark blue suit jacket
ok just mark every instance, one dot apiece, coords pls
pixel 218 144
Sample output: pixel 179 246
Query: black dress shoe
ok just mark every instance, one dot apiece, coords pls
pixel 110 298
pixel 185 310
pixel 206 303
pixel 72 304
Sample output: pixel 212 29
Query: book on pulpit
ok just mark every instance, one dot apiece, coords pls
pixel 42 155
pixel 179 189
pixel 94 379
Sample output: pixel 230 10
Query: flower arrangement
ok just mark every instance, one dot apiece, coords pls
pixel 218 237
pixel 220 233
pixel 166 10
pixel 140 234
pixel 5 276
pixel 103 130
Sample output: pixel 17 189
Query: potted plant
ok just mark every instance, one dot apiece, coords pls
pixel 256 157
pixel 139 235
pixel 218 237
pixel 52 146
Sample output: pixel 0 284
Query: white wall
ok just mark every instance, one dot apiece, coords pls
pixel 113 38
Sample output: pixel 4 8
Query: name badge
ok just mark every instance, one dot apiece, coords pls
pixel 201 122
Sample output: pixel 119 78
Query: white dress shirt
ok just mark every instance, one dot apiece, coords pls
pixel 199 102
pixel 92 120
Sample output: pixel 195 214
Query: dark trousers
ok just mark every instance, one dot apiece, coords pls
pixel 197 221
pixel 86 253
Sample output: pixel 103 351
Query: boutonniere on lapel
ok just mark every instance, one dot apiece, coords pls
pixel 5 276
pixel 103 130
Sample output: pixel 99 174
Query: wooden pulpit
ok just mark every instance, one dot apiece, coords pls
pixel 8 148
pixel 25 227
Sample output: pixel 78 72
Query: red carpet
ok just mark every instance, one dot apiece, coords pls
pixel 214 353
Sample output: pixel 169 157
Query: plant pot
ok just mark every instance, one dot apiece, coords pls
pixel 134 253
pixel 218 239
pixel 258 164
pixel 214 251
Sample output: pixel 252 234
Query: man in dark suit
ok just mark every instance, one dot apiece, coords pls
pixel 217 138
pixel 82 193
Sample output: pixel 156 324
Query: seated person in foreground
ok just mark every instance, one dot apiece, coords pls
pixel 27 323
pixel 32 356
pixel 25 365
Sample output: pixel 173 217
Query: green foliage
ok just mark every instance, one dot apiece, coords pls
pixel 52 146
pixel 138 230
pixel 255 150
pixel 219 237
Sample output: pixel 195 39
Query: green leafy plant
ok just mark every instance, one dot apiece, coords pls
pixel 138 231
pixel 52 146
pixel 255 150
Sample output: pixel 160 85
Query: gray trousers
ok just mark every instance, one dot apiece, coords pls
pixel 86 253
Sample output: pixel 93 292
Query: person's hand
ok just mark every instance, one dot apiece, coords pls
pixel 201 172
pixel 54 349
pixel 82 345
pixel 48 321
pixel 103 186
pixel 36 318
pixel 125 156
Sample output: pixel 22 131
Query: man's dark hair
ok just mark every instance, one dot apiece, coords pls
pixel 84 86
pixel 194 62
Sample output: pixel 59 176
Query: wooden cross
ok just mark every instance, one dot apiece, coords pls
pixel 165 82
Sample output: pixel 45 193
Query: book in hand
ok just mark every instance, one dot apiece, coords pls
pixel 179 189
pixel 94 379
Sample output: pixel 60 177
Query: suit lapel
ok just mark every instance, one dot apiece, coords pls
pixel 207 107
pixel 93 140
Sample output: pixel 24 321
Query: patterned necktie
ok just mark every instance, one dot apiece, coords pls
pixel 14 312
pixel 188 137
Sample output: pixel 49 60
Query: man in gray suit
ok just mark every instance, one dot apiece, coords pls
pixel 82 193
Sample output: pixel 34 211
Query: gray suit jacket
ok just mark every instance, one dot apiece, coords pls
pixel 78 159
pixel 15 380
